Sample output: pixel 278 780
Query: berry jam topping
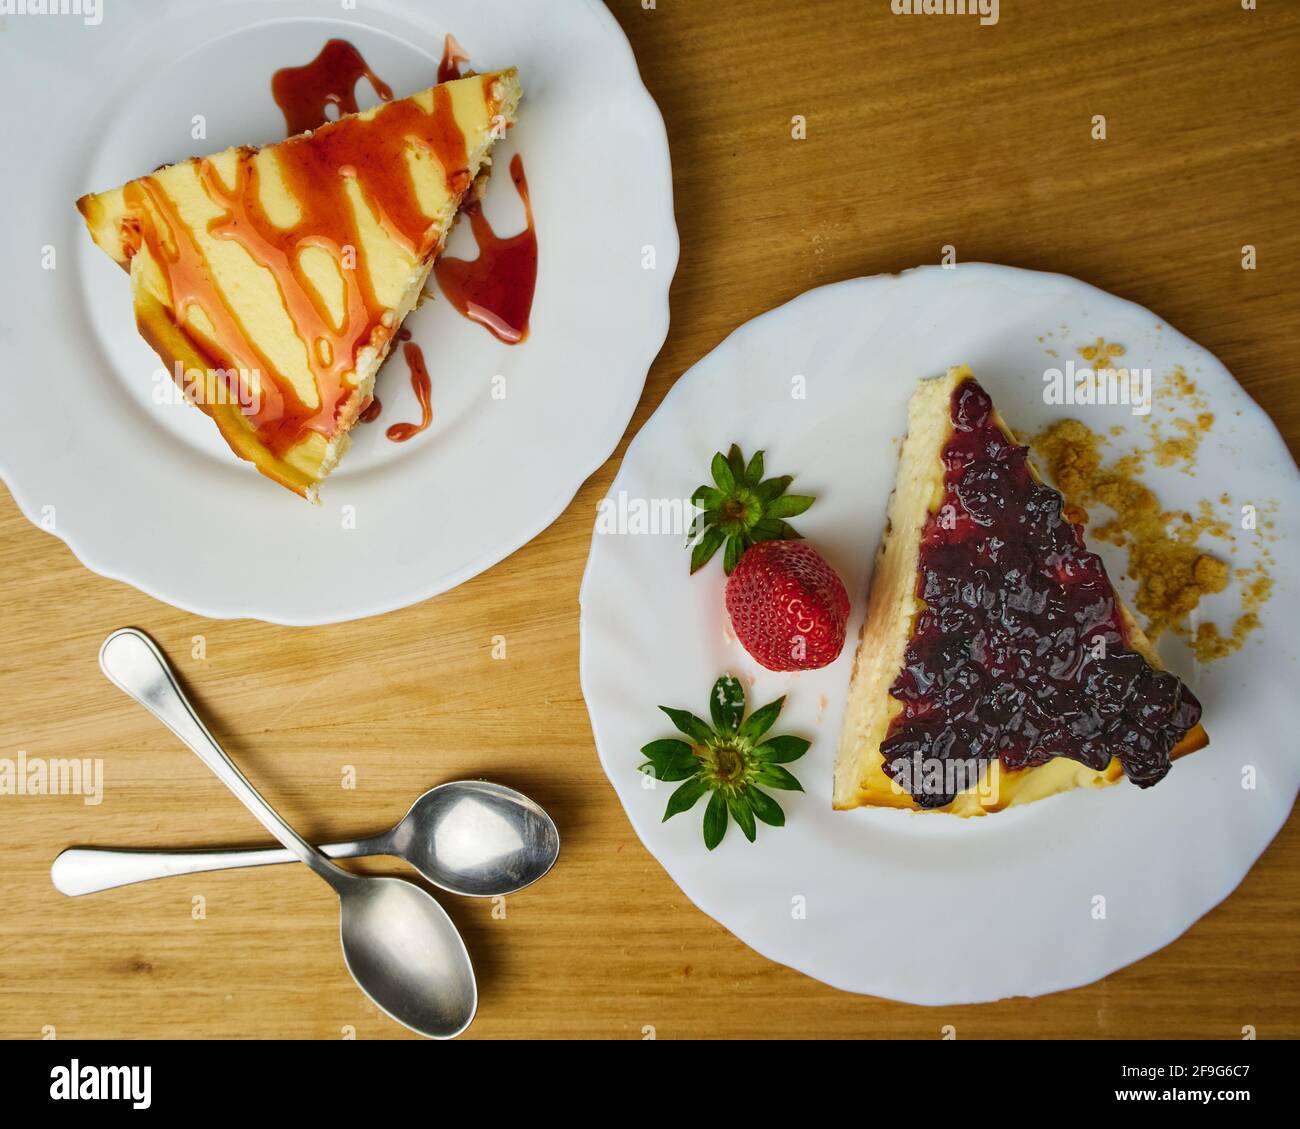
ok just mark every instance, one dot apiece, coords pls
pixel 1020 652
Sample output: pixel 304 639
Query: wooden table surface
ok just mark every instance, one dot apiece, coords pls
pixel 921 131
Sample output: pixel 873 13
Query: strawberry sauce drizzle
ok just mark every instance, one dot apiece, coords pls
pixel 317 173
pixel 401 432
pixel 453 54
pixel 496 289
pixel 305 93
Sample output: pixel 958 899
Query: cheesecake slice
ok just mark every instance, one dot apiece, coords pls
pixel 272 281
pixel 997 664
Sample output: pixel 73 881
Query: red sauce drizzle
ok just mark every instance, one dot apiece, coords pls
pixel 496 289
pixel 401 432
pixel 303 93
pixel 453 54
pixel 316 171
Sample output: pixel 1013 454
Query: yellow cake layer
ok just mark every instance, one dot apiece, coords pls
pixel 396 270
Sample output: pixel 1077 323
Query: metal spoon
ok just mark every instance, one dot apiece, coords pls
pixel 466 837
pixel 400 947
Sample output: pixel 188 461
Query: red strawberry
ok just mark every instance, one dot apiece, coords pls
pixel 787 606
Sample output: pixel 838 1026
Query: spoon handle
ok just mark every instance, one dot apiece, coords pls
pixel 135 665
pixel 88 870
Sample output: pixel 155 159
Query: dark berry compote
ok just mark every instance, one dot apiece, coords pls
pixel 1021 652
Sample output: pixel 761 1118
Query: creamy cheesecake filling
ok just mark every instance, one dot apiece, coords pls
pixel 1020 650
pixel 292 266
pixel 318 171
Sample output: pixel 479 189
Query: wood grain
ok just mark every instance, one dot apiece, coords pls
pixel 922 131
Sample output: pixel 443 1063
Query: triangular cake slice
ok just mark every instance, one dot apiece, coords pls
pixel 997 665
pixel 272 281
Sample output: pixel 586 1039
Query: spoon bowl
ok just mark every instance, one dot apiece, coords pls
pixel 405 954
pixel 478 839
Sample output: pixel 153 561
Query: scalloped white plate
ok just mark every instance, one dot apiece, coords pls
pixel 932 909
pixel 148 493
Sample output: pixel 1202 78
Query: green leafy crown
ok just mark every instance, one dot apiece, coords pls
pixel 728 759
pixel 741 509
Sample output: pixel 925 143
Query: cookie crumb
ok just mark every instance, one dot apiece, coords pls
pixel 1172 573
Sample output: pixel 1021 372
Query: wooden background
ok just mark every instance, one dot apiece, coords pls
pixel 921 131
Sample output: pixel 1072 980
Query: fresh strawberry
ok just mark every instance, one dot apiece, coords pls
pixel 787 606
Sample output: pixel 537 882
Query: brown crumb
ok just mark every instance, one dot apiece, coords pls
pixel 1072 456
pixel 1172 575
pixel 1074 514
pixel 1210 574
pixel 1171 572
pixel 1182 448
pixel 1101 355
pixel 1181 386
pixel 1209 644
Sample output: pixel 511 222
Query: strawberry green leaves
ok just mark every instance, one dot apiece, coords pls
pixel 715 820
pixel 726 760
pixel 740 509
pixel 727 704
pixel 671 760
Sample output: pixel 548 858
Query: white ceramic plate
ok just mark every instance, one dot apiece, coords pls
pixel 149 493
pixel 928 908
